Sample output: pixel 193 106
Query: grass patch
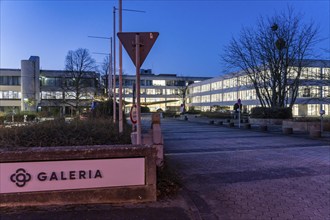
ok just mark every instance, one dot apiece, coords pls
pixel 168 182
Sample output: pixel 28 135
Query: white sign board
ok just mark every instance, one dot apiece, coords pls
pixel 72 174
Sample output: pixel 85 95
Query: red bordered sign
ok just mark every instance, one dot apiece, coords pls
pixel 133 114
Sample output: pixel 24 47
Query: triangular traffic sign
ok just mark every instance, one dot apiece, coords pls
pixel 147 40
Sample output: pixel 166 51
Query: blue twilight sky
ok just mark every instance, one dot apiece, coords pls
pixel 193 33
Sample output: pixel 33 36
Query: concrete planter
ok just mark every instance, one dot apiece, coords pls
pixel 305 126
pixel 48 182
pixel 265 121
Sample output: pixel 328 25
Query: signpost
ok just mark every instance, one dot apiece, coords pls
pixel 138 45
pixel 132 114
pixel 239 102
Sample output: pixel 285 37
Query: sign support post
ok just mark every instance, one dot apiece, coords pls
pixel 138 103
pixel 138 46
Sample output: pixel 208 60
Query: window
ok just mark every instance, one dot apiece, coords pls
pixel 175 102
pixel 313 109
pixel 128 91
pixel 206 88
pixel 216 85
pixel 229 96
pixel 51 95
pixel 326 73
pixel 159 92
pixel 248 94
pixel 206 98
pixel 196 99
pixel 310 73
pixel 158 82
pixel 170 82
pixel 180 83
pixel 308 91
pixel 196 89
pixel 10 80
pixel 10 95
pixel 150 91
pixel 148 83
pixel 70 95
pixel 130 82
pixel 216 98
pixel 326 91
pixel 172 91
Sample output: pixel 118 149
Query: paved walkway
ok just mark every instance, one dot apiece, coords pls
pixel 227 173
pixel 232 173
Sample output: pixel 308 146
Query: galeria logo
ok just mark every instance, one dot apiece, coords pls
pixel 21 177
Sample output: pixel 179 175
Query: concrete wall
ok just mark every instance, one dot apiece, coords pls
pixel 305 126
pixel 119 194
pixel 30 86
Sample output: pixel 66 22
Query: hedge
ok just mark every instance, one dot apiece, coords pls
pixel 276 113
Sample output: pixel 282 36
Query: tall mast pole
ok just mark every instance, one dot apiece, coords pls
pixel 120 71
pixel 114 65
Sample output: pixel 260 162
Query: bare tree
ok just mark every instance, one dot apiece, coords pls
pixel 105 75
pixel 80 80
pixel 272 55
pixel 182 87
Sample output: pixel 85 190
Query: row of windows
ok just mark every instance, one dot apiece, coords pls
pixel 58 82
pixel 304 92
pixel 129 91
pixel 10 95
pixel 10 80
pixel 131 82
pixel 67 95
pixel 313 91
pixel 308 73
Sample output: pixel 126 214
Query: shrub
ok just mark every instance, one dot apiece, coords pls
pixel 276 113
pixel 193 111
pixel 170 114
pixel 145 109
pixel 103 109
pixel 17 117
pixel 61 133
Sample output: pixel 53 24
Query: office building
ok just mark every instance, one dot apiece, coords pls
pixel 224 91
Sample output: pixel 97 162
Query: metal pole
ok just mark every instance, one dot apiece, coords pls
pixel 110 71
pixel 321 124
pixel 134 96
pixel 138 105
pixel 239 117
pixel 120 72
pixel 114 65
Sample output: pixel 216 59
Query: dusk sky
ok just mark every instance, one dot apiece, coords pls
pixel 192 33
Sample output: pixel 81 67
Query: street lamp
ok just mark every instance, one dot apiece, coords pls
pixel 110 73
pixel 322 112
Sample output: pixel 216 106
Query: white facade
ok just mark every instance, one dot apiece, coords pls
pixel 224 91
